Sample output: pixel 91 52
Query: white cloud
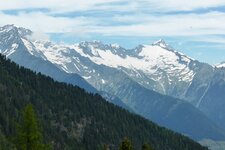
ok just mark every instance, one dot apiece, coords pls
pixel 169 25
pixel 39 21
pixel 176 5
pixel 53 5
pixel 138 5
pixel 149 18
pixel 39 35
pixel 210 39
pixel 136 25
pixel 139 20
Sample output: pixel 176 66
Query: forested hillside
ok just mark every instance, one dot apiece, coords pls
pixel 74 119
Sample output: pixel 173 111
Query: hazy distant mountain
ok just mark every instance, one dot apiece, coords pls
pixel 213 101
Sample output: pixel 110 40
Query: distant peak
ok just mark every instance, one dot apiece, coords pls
pixel 8 27
pixel 12 28
pixel 161 43
pixel 115 45
pixel 91 42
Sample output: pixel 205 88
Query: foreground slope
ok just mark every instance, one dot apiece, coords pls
pixel 74 119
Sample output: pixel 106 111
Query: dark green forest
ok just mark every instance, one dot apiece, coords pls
pixel 72 119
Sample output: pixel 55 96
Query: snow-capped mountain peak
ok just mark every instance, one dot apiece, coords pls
pixel 12 29
pixel 7 28
pixel 10 39
pixel 115 45
pixel 9 32
pixel 161 43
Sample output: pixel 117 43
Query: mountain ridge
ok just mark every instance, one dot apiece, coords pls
pixel 125 80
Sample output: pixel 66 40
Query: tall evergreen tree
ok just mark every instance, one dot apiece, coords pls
pixel 29 136
pixel 126 145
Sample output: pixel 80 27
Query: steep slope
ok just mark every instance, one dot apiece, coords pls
pixel 74 119
pixel 84 58
pixel 199 84
pixel 213 102
pixel 208 87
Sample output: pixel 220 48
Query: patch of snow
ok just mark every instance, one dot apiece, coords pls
pixel 221 65
pixel 29 46
pixel 201 98
pixel 86 77
pixel 76 67
pixel 55 54
pixel 115 45
pixel 7 28
pixel 11 51
pixel 152 56
pixel 103 81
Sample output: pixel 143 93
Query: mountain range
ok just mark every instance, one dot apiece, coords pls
pixel 72 119
pixel 155 81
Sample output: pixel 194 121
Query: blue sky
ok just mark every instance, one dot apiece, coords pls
pixel 194 27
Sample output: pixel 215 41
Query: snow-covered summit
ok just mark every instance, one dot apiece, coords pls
pixel 12 29
pixel 161 43
pixel 6 28
pixel 9 30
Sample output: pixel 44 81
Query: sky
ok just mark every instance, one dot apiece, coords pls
pixel 193 27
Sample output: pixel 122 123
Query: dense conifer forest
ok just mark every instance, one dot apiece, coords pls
pixel 72 119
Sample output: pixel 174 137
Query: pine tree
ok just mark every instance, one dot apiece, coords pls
pixel 29 136
pixel 126 145
pixel 146 147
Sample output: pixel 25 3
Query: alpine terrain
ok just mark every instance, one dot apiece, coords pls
pixel 154 81
pixel 71 118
